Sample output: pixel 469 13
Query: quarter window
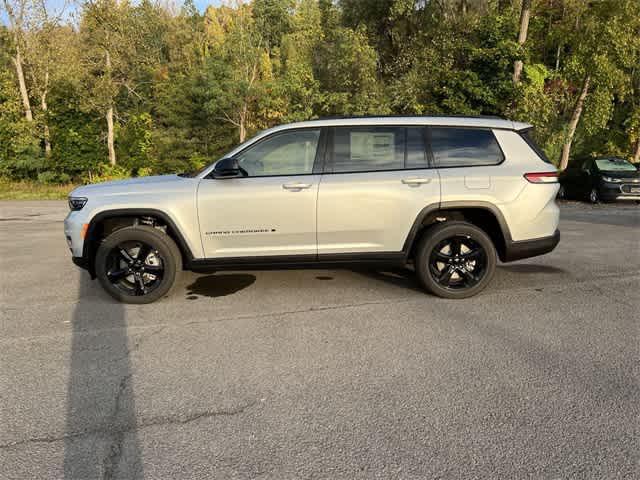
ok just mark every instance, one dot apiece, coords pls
pixel 462 147
pixel 288 153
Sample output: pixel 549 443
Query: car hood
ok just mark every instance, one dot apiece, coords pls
pixel 131 185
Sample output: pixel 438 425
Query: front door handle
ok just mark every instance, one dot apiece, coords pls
pixel 296 187
pixel 414 182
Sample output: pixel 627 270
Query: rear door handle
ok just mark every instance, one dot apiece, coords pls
pixel 296 187
pixel 414 182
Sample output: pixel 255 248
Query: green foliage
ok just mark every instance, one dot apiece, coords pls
pixel 186 86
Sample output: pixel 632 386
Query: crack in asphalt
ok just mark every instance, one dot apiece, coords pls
pixel 134 427
pixel 112 459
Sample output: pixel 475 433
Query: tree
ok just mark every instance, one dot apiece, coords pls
pixel 16 12
pixel 597 67
pixel 525 13
pixel 239 72
pixel 51 54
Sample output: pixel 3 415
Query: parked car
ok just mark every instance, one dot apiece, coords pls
pixel 606 179
pixel 447 196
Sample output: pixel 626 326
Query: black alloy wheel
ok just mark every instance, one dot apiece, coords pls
pixel 138 264
pixel 458 262
pixel 135 268
pixel 455 259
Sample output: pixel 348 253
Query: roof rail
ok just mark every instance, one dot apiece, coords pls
pixel 348 117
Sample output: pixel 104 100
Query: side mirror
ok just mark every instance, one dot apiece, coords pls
pixel 227 168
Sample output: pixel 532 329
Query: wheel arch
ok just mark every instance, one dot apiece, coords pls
pixel 484 215
pixel 118 218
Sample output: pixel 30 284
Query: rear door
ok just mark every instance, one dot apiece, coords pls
pixel 376 181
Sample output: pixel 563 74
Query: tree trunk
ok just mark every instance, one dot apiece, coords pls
pixel 525 13
pixel 243 123
pixel 636 156
pixel 110 132
pixel 573 124
pixel 45 113
pixel 463 7
pixel 17 60
pixel 110 136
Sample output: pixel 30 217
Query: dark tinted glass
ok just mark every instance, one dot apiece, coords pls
pixel 416 151
pixel 460 147
pixel 366 149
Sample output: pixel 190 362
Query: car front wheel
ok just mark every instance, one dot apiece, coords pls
pixel 137 264
pixel 455 260
pixel 593 196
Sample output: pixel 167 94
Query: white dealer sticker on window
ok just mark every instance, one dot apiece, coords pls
pixel 378 147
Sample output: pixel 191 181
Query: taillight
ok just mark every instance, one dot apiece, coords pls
pixel 542 177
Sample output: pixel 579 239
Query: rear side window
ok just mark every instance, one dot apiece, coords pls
pixel 368 149
pixel 416 150
pixel 371 149
pixel 464 147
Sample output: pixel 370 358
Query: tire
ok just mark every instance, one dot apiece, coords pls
pixel 593 196
pixel 130 279
pixel 436 258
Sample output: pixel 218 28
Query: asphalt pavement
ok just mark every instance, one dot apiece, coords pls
pixel 335 374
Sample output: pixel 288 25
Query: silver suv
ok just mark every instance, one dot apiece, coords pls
pixel 445 196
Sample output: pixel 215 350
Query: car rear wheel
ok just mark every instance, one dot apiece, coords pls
pixel 455 260
pixel 138 264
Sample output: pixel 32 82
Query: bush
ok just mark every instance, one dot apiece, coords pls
pixel 48 177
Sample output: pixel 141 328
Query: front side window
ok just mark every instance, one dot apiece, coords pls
pixel 464 147
pixel 287 153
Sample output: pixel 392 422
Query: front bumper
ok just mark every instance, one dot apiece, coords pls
pixel 530 248
pixel 619 191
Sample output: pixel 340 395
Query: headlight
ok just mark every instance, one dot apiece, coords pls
pixel 76 203
pixel 611 180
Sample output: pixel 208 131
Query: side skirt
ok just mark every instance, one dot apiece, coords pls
pixel 284 262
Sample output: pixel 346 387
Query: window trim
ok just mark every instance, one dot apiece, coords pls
pixel 489 129
pixel 329 150
pixel 318 160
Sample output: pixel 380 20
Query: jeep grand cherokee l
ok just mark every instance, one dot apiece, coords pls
pixel 446 196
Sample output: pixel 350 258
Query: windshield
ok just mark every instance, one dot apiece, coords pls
pixel 615 165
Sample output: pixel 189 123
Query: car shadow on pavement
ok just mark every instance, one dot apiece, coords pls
pixel 219 285
pixel 531 268
pixel 397 276
pixel 101 439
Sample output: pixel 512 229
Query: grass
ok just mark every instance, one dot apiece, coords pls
pixel 26 190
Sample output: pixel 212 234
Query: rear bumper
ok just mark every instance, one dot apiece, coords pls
pixel 531 248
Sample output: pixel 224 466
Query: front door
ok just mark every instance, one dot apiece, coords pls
pixel 272 210
pixel 378 179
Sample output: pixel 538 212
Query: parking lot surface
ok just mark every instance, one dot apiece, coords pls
pixel 323 373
